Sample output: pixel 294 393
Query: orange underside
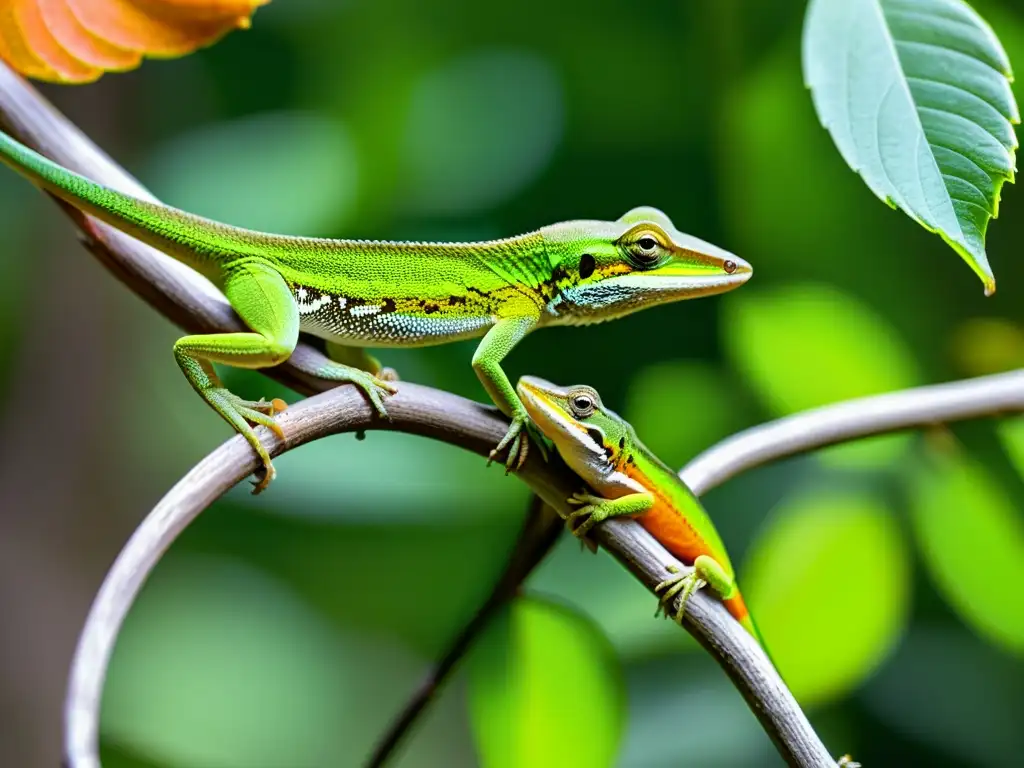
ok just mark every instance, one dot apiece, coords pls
pixel 675 534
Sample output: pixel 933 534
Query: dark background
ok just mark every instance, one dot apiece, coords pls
pixel 886 576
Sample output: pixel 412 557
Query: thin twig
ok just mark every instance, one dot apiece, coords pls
pixel 540 531
pixel 461 422
pixel 931 405
pixel 428 412
pixel 190 301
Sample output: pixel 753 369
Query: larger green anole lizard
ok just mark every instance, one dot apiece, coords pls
pixel 357 294
pixel 603 449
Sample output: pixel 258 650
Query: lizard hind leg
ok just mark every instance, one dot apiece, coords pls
pixel 360 357
pixel 261 298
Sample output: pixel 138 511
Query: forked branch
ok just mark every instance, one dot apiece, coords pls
pixel 191 302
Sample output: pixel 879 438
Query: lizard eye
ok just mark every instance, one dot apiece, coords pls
pixel 582 404
pixel 729 267
pixel 646 250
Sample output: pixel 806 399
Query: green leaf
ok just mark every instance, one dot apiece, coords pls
pixel 916 95
pixel 971 538
pixel 545 688
pixel 810 344
pixel 828 585
pixel 945 689
pixel 621 607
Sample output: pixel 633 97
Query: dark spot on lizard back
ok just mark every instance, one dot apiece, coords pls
pixel 455 300
pixel 430 309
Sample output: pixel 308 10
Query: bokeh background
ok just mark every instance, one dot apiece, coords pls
pixel 886 576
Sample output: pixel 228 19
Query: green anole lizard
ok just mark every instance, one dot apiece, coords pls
pixel 603 449
pixel 358 294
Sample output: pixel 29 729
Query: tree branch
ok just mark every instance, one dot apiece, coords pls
pixel 191 302
pixel 541 530
pixel 427 412
pixel 926 406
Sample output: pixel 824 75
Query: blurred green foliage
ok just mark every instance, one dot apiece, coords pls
pixel 287 630
pixel 535 663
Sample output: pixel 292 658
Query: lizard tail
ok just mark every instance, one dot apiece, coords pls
pixel 193 239
pixel 738 608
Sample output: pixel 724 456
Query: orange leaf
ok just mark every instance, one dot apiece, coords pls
pixel 44 45
pixel 77 40
pixel 81 43
pixel 123 24
pixel 202 10
pixel 15 50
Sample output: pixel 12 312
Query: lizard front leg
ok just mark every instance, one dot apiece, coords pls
pixel 493 348
pixel 706 572
pixel 595 509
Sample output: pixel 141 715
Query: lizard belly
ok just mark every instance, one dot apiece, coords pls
pixel 385 323
pixel 673 532
pixel 662 520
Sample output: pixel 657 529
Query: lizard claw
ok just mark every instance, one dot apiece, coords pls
pixel 374 387
pixel 242 414
pixel 520 433
pixel 687 583
pixel 592 510
pixel 264 476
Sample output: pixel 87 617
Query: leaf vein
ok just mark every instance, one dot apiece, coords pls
pixel 968 183
pixel 960 88
pixel 951 51
pixel 955 151
pixel 969 121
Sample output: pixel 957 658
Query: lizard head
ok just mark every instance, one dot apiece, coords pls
pixel 606 269
pixel 589 437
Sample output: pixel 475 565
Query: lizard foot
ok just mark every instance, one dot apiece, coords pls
pixel 242 414
pixel 374 387
pixel 847 761
pixel 388 374
pixel 687 583
pixel 520 432
pixel 593 510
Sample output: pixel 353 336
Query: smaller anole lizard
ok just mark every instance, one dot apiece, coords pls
pixel 602 448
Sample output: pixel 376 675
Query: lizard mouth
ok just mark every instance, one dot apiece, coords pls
pixel 570 437
pixel 545 412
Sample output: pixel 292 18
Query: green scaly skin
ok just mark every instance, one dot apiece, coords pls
pixel 358 294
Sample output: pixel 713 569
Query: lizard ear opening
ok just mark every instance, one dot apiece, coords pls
pixel 587 266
